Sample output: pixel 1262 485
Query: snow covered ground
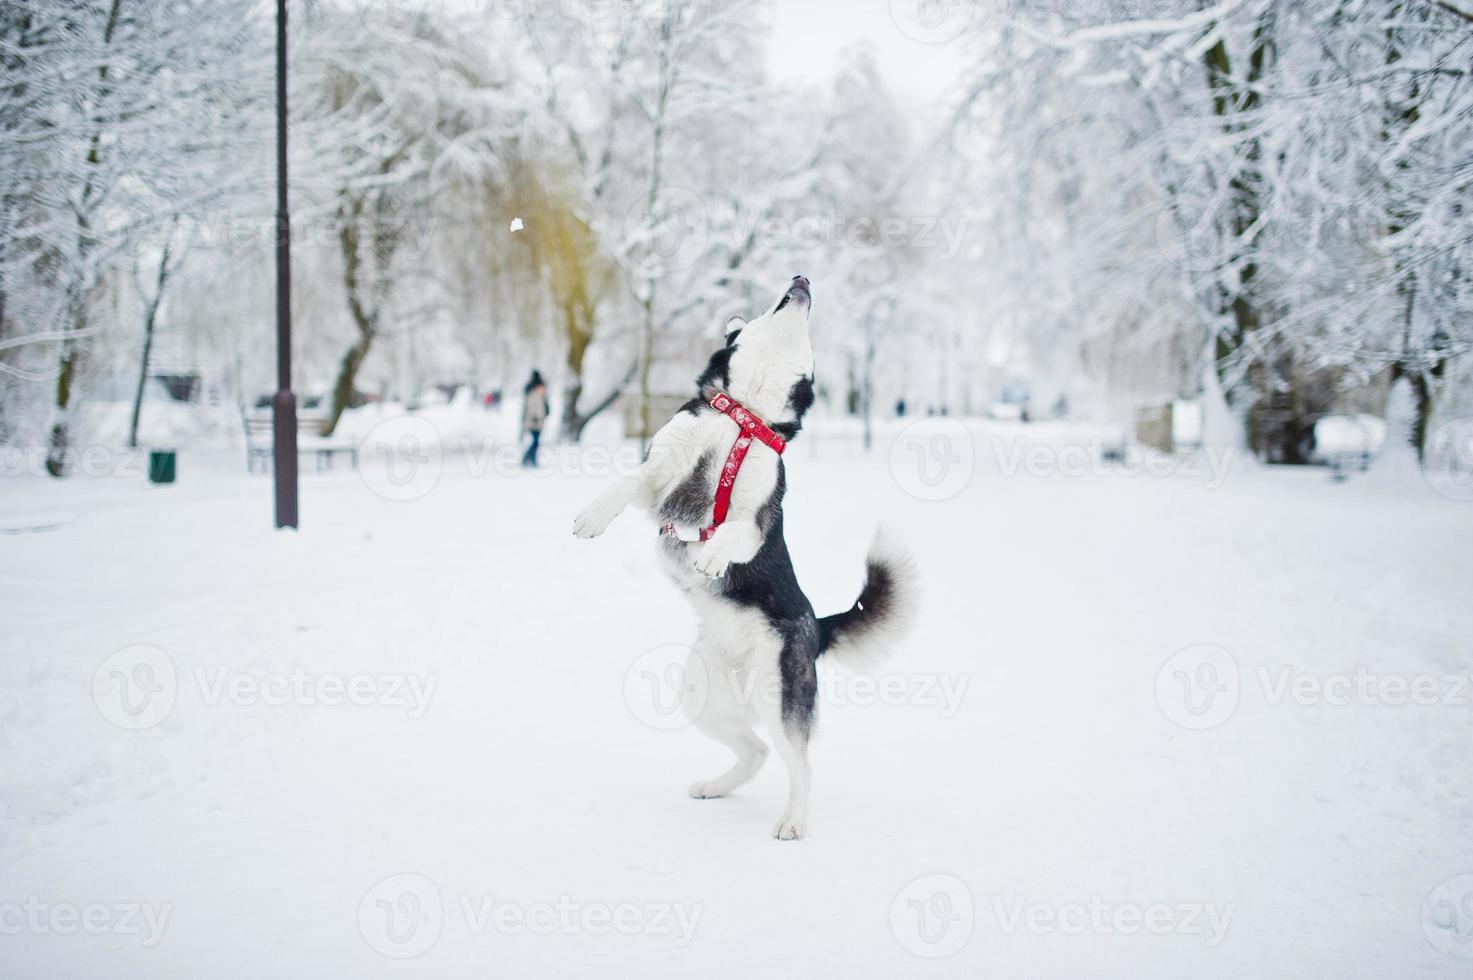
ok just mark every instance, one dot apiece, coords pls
pixel 1168 721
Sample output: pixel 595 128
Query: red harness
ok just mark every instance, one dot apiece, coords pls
pixel 751 428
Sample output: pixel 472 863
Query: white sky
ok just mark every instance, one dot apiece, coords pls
pixel 808 35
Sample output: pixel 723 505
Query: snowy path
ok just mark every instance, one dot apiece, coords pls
pixel 1029 762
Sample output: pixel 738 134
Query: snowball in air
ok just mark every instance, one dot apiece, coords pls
pixel 516 224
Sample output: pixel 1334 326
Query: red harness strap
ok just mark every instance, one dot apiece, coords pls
pixel 751 428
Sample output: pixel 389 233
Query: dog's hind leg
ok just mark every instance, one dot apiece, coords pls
pixel 792 745
pixel 791 723
pixel 722 715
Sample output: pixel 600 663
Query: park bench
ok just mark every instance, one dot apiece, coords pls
pixel 1342 464
pixel 1346 443
pixel 310 441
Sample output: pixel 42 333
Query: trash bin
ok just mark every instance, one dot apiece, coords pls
pixel 161 464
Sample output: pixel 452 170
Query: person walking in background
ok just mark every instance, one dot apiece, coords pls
pixel 534 414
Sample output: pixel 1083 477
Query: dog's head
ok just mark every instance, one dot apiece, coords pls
pixel 767 363
pixel 787 318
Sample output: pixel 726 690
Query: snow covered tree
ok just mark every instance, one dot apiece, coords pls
pixel 113 118
pixel 1307 164
pixel 386 126
pixel 681 150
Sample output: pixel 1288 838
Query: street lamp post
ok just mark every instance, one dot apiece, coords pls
pixel 283 403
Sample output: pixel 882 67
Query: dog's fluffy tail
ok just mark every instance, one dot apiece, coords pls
pixel 865 634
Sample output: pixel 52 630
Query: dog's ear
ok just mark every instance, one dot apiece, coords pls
pixel 733 327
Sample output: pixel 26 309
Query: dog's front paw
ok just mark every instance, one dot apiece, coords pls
pixel 790 828
pixel 593 520
pixel 712 561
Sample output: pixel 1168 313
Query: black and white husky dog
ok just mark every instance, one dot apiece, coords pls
pixel 756 653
